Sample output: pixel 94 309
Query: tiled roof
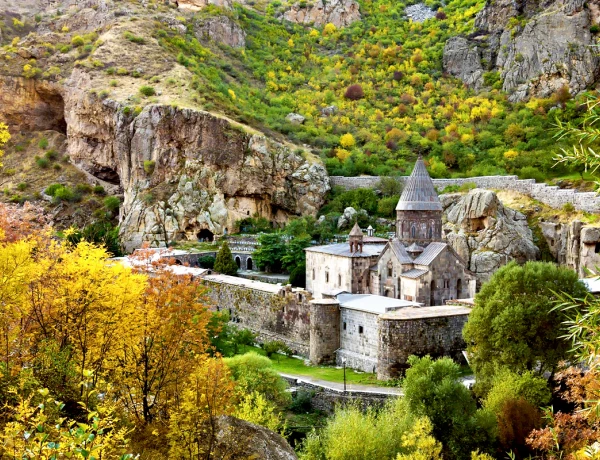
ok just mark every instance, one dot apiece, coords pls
pixel 343 249
pixel 419 193
pixel 414 273
pixel 430 253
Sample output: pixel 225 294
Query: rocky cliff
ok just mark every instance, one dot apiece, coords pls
pixel 182 171
pixel 485 233
pixel 536 46
pixel 340 13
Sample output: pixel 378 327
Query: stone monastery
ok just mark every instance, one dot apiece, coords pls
pixel 416 265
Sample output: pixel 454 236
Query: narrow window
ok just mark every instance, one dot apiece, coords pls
pixel 339 280
pixel 313 274
pixel 327 277
pixel 344 325
pixel 389 271
pixel 360 329
pixel 597 249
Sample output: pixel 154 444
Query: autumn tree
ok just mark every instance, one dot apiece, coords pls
pixel 156 355
pixel 4 138
pixel 224 262
pixel 208 395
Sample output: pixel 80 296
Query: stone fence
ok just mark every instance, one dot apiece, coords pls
pixel 548 194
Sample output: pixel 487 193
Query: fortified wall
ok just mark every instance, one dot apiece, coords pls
pixel 550 195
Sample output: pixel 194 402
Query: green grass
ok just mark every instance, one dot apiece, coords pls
pixel 296 366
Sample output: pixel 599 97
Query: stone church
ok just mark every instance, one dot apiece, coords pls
pixel 416 265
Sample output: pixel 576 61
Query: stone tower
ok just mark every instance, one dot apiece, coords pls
pixel 419 211
pixel 356 239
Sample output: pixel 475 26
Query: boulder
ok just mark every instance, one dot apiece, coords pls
pixel 329 110
pixel 340 13
pixel 485 233
pixel 349 216
pixel 419 12
pixel 295 118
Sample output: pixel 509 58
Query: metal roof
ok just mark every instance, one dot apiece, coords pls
pixel 419 193
pixel 429 254
pixel 400 252
pixel 414 273
pixel 343 249
pixel 414 248
pixel 376 304
pixel 356 231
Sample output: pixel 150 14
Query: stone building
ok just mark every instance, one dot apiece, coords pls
pixel 415 265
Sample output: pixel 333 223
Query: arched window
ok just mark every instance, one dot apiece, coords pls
pixel 413 231
pixel 339 280
pixel 430 235
pixel 458 288
pixel 238 261
pixel 249 263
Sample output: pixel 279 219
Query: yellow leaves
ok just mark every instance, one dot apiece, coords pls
pixel 342 154
pixel 347 141
pixel 255 408
pixel 313 33
pixel 231 94
pixel 420 442
pixel 510 155
pixel 329 29
pixel 291 43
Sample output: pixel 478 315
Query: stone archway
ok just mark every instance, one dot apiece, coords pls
pixel 249 265
pixel 238 261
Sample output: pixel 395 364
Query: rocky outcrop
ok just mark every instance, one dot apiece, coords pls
pixel 183 171
pixel 419 12
pixel 537 46
pixel 485 233
pixel 238 439
pixel 340 13
pixel 221 29
pixel 574 244
pixel 197 5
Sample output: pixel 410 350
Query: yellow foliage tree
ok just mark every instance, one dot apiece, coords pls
pixel 420 442
pixel 255 408
pixel 208 394
pixel 4 138
pixel 347 141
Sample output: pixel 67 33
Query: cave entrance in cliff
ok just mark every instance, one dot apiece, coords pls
pixel 106 174
pixel 205 235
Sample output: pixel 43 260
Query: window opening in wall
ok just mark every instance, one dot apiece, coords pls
pixel 597 249
pixel 344 326
pixel 238 261
pixel 446 284
pixel 327 277
pixel 313 274
pixel 413 231
pixel 458 288
pixel 360 329
pixel 249 263
pixel 339 280
pixel 389 271
pixel 300 297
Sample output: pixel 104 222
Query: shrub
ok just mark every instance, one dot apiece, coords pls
pixel 98 190
pixel 63 193
pixel 22 186
pixel 43 143
pixel 51 154
pixel 42 162
pixel 112 203
pixel 83 188
pixel 354 92
pixel 56 167
pixel 77 40
pixel 440 15
pixel 51 189
pixel 595 29
pixel 9 172
pixel 206 262
pixel 568 208
pixel 149 166
pixel 273 346
pixel 113 83
pixel 134 38
pixel 147 91
pixel 530 172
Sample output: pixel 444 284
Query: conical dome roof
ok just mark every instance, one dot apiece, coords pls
pixel 356 231
pixel 419 193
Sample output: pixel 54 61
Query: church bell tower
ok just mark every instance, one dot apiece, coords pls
pixel 419 211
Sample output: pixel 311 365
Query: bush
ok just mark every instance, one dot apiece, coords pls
pixel 77 40
pixel 568 208
pixel 354 92
pixel 83 189
pixel 98 190
pixel 112 203
pixel 595 29
pixel 51 189
pixel 43 143
pixel 149 166
pixel 65 194
pixel 22 186
pixel 272 346
pixel 42 162
pixel 206 261
pixel 134 38
pixel 147 91
pixel 51 154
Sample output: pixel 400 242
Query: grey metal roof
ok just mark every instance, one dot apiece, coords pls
pixel 413 273
pixel 400 252
pixel 343 249
pixel 419 193
pixel 414 248
pixel 430 253
pixel 374 303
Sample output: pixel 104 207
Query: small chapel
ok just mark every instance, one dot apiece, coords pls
pixel 415 265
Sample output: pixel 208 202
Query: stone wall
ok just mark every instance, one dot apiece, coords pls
pixel 549 195
pixel 273 312
pixel 359 349
pixel 436 336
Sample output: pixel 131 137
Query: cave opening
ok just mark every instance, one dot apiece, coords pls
pixel 49 111
pixel 107 174
pixel 205 235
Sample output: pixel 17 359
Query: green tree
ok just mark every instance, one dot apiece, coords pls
pixel 224 262
pixel 269 254
pixel 294 260
pixel 514 323
pixel 433 389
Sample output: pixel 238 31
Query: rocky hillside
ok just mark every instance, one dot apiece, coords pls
pixel 96 73
pixel 534 48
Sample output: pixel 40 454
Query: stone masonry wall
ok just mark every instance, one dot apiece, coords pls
pixel 359 349
pixel 281 316
pixel 435 336
pixel 547 194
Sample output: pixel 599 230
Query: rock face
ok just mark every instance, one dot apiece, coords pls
pixel 295 118
pixel 575 245
pixel 340 13
pixel 238 439
pixel 419 12
pixel 205 173
pixel 221 29
pixel 537 46
pixel 197 5
pixel 485 233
